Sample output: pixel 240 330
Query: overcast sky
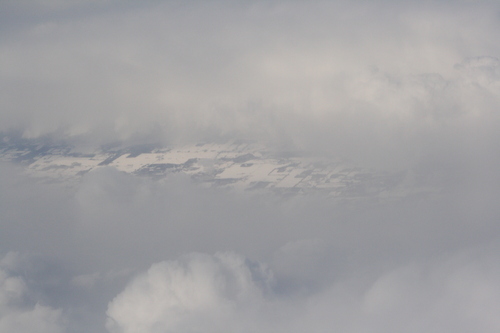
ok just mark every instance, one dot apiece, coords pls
pixel 401 86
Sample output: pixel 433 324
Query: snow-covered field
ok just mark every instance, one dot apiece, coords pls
pixel 238 166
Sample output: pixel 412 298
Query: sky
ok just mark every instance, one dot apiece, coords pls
pixel 407 87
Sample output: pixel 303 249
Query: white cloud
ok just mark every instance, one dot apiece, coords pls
pixel 217 293
pixel 197 293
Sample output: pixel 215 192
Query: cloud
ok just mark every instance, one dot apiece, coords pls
pixel 219 293
pixel 454 292
pixel 372 81
pixel 459 294
pixel 112 225
pixel 197 293
pixel 115 221
pixel 19 310
pixel 395 85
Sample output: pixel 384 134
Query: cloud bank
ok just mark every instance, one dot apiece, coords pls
pixel 368 81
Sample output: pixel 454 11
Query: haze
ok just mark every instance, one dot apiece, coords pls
pixel 407 88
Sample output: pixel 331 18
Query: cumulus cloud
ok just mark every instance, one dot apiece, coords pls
pixel 455 292
pixel 197 293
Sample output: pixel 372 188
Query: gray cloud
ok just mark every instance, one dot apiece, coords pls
pixel 369 79
pixel 394 85
pixel 120 224
pixel 19 309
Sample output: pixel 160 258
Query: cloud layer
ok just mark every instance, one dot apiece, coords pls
pixel 370 81
pixel 346 266
pixel 409 87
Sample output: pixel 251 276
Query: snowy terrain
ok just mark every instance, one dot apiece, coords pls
pixel 237 165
